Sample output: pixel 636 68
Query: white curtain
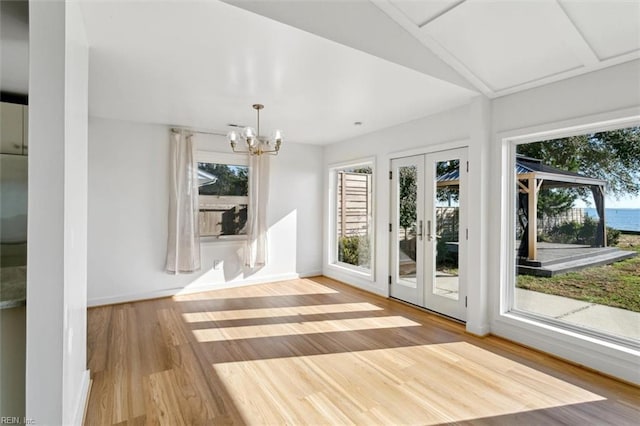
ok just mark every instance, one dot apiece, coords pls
pixel 183 246
pixel 256 249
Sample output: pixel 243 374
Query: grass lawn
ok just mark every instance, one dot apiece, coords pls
pixel 615 285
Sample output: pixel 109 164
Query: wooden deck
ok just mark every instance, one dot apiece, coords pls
pixel 314 351
pixel 556 258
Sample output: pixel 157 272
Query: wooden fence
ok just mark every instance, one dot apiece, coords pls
pixel 447 223
pixel 448 219
pixel 546 223
pixel 354 203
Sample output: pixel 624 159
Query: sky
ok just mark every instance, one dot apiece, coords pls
pixel 628 202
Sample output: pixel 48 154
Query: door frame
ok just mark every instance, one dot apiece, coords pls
pixel 457 312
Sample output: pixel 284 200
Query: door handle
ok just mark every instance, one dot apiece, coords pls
pixel 420 230
pixel 429 236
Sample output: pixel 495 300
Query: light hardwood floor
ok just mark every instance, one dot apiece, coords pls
pixel 314 351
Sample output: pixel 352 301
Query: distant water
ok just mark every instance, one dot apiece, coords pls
pixel 622 219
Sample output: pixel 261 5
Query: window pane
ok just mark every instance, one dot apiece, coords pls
pixel 576 257
pixel 354 214
pixel 223 197
pixel 223 179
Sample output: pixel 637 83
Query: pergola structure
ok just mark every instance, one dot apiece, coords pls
pixel 532 176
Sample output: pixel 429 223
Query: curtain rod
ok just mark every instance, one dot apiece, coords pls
pixel 178 129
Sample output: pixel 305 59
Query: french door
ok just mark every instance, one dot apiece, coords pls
pixel 429 231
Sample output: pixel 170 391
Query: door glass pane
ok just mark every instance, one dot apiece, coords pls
pixel 447 219
pixel 407 213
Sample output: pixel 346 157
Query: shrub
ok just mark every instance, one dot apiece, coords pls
pixel 354 250
pixel 587 232
pixel 444 258
pixel 580 233
pixel 613 236
pixel 567 233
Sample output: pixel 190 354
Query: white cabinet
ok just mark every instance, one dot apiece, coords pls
pixel 13 123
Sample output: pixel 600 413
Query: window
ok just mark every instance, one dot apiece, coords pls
pixel 577 216
pixel 223 194
pixel 352 211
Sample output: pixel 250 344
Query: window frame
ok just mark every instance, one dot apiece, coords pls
pixel 332 212
pixel 507 310
pixel 232 159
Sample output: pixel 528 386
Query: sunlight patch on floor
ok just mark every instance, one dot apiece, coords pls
pixel 300 328
pixel 429 384
pixel 299 287
pixel 238 314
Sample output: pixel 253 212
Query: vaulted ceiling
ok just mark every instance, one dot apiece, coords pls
pixel 498 46
pixel 321 65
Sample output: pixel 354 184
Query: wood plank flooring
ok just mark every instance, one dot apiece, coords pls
pixel 314 351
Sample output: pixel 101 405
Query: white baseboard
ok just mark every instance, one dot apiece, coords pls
pixel 83 398
pixel 480 331
pixel 124 298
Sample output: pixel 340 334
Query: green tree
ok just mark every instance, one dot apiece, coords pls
pixel 229 180
pixel 363 170
pixel 613 156
pixel 552 202
pixel 408 194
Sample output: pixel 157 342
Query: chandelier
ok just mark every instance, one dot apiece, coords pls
pixel 255 144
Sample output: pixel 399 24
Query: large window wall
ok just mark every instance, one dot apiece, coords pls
pixel 577 209
pixel 536 323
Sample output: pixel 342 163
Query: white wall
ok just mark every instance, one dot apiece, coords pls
pixel 603 91
pixel 128 204
pixel 612 93
pixel 448 128
pixel 57 379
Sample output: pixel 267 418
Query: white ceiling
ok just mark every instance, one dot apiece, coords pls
pixel 506 46
pixel 203 64
pixel 321 65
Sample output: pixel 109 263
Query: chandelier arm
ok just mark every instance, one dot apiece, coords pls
pixel 240 151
